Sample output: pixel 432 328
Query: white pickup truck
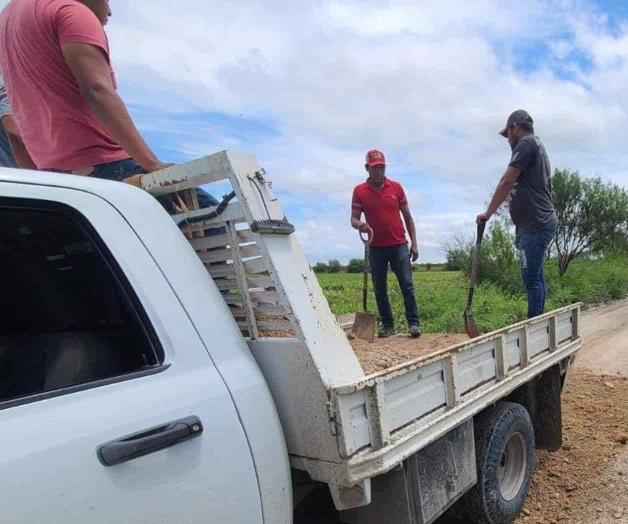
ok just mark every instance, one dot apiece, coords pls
pixel 135 388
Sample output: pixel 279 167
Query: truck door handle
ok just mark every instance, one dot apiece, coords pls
pixel 148 441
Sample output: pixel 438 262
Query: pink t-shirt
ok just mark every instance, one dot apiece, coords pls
pixel 59 130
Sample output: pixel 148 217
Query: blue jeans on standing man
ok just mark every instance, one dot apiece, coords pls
pixel 398 257
pixel 532 249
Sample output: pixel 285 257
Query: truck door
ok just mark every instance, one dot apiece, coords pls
pixel 111 410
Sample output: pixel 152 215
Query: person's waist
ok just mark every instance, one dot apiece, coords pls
pixel 388 246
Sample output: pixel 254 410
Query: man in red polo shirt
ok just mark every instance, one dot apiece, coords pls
pixel 383 201
pixel 54 56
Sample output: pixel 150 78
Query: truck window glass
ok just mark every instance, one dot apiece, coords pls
pixel 68 316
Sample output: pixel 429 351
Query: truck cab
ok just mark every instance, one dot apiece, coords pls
pixel 127 393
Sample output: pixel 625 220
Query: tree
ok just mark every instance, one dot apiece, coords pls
pixel 459 250
pixel 356 265
pixel 592 216
pixel 334 266
pixel 320 267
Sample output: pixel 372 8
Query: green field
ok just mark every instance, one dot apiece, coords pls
pixel 442 298
pixel 442 295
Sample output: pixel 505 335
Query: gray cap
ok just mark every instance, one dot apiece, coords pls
pixel 520 116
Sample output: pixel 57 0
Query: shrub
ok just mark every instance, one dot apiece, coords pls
pixel 356 265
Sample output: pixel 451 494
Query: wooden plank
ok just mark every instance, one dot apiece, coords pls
pixel 210 242
pixel 255 266
pixel 269 311
pixel 275 326
pixel 268 297
pixel 226 284
pixel 233 298
pixel 215 255
pixel 238 312
pixel 221 240
pixel 525 354
pixel 225 270
pixel 260 282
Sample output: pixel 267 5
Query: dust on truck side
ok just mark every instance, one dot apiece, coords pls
pixel 153 406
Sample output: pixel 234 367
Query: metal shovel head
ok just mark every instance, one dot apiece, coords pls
pixel 364 326
pixel 470 326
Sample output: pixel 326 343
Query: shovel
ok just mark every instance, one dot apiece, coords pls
pixel 470 326
pixel 365 322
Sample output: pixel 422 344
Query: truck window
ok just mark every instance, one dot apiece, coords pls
pixel 68 317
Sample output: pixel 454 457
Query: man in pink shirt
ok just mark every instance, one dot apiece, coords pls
pixel 54 56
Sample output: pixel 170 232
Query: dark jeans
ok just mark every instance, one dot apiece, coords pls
pixel 398 257
pixel 122 169
pixel 532 249
pixel 6 154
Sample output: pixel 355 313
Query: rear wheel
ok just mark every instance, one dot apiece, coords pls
pixel 504 448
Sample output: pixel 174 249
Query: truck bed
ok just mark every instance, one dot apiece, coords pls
pixel 391 414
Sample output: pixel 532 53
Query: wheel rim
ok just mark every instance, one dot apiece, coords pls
pixel 512 467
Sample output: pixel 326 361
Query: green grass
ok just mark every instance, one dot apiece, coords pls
pixel 442 295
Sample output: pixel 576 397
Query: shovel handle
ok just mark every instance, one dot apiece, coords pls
pixel 475 267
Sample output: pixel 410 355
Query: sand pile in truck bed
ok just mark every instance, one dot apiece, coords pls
pixel 384 353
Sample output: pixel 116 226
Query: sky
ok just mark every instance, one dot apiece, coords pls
pixel 309 87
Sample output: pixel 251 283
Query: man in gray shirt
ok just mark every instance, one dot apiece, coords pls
pixel 528 183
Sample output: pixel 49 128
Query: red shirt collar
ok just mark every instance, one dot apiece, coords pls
pixel 385 184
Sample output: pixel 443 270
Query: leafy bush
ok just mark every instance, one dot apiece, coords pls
pixel 499 261
pixel 356 265
pixel 334 266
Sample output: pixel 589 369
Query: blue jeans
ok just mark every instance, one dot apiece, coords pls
pixel 118 170
pixel 122 169
pixel 6 154
pixel 532 249
pixel 398 257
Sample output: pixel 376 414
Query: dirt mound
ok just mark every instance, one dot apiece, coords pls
pixel 388 352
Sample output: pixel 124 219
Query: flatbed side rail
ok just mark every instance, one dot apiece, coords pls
pixel 390 415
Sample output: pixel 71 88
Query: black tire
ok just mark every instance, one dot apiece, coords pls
pixel 504 450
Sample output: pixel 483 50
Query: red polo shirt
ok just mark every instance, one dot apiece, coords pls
pixel 382 209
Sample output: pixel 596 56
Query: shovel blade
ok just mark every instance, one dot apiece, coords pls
pixel 364 326
pixel 470 326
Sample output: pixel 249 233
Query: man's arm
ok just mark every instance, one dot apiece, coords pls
pixel 356 221
pixel 407 218
pixel 501 193
pixel 20 153
pixel 92 74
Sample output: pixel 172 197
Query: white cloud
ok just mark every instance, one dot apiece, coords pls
pixel 428 82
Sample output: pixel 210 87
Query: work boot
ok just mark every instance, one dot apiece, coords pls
pixel 414 330
pixel 386 331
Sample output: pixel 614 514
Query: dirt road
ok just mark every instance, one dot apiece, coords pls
pixel 587 481
pixel 605 336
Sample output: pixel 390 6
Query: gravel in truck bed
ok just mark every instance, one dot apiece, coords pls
pixel 384 353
